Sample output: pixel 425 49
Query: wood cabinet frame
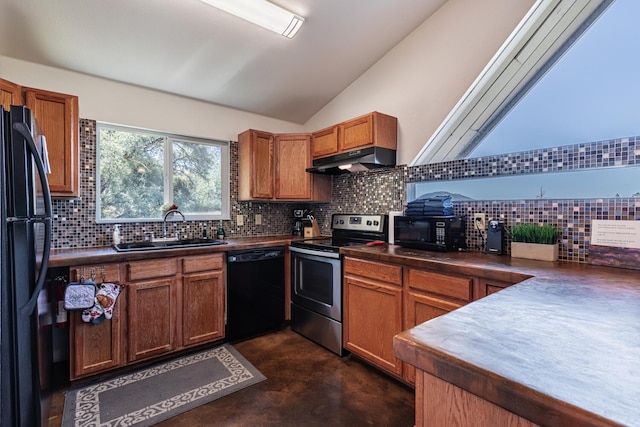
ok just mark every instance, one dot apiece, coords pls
pixel 165 305
pixel 382 299
pixel 273 167
pixel 57 115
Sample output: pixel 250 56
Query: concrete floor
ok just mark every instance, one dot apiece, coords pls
pixel 306 386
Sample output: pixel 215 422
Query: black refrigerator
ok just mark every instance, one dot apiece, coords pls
pixel 25 233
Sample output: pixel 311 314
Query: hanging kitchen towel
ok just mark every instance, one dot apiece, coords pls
pixel 79 295
pixel 105 300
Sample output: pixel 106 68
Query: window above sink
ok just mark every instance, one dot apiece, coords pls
pixel 140 171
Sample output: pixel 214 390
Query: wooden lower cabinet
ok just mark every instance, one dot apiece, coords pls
pixel 165 305
pixel 421 307
pixel 203 300
pixel 372 312
pixel 430 294
pixel 152 318
pixel 486 287
pixel 383 299
pixel 439 403
pixel 97 348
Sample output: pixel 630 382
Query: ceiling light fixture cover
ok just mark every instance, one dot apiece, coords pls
pixel 263 13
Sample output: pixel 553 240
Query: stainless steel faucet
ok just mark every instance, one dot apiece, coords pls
pixel 164 220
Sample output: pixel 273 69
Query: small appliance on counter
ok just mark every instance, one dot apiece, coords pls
pixel 495 237
pixel 298 215
pixel 302 219
pixel 442 233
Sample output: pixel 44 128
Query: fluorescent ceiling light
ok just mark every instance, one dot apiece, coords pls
pixel 263 13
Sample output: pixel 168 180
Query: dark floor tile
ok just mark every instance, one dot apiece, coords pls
pixel 306 385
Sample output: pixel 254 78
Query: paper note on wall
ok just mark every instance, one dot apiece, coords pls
pixel 621 234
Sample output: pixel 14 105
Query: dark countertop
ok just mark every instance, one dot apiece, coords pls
pixel 79 256
pixel 560 348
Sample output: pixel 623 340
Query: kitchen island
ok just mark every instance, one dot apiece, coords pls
pixel 559 348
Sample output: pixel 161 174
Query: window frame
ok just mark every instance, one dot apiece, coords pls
pixel 547 31
pixel 169 138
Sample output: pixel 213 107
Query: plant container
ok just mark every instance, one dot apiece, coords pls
pixel 536 251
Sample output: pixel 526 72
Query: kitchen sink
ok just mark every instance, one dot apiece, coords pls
pixel 167 244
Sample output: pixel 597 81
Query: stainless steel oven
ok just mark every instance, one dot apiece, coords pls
pixel 316 277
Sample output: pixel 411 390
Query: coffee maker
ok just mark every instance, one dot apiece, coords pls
pixel 298 215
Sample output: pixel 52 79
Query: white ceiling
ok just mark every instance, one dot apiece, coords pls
pixel 188 48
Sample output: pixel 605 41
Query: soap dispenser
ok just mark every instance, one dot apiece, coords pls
pixel 116 234
pixel 220 233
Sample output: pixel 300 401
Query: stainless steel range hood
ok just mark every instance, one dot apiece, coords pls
pixel 355 161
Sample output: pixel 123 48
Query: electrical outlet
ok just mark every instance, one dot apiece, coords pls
pixel 480 221
pixel 239 220
pixel 258 219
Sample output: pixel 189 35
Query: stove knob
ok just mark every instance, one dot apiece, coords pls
pixel 376 223
pixel 369 222
pixel 342 221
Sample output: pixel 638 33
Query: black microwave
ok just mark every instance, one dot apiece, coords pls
pixel 434 233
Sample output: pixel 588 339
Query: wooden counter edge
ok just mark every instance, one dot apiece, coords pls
pixel 523 401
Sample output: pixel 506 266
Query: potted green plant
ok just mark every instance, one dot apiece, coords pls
pixel 534 241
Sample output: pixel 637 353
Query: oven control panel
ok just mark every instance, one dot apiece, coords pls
pixel 353 222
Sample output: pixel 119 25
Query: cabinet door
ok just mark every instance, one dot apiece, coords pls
pixel 152 317
pixel 324 142
pixel 97 348
pixel 419 309
pixel 203 303
pixel 57 115
pixel 487 287
pixel 262 166
pixel 10 94
pixel 373 315
pixel 356 133
pixel 293 157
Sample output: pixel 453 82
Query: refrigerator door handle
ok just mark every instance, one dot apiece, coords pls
pixel 46 219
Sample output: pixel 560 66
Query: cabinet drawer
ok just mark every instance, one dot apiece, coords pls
pixel 194 264
pixel 374 270
pixel 140 270
pixel 460 288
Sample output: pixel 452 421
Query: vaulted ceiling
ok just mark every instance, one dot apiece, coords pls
pixel 189 48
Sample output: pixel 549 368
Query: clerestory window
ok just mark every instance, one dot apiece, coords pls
pixel 566 75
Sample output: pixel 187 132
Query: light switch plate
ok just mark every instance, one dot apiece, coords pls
pixel 258 219
pixel 239 219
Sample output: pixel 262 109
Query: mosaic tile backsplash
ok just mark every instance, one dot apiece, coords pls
pixel 381 191
pixel 74 224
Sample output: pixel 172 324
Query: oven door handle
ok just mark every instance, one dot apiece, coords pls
pixel 316 253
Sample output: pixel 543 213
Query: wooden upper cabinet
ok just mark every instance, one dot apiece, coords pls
pixel 357 132
pixel 57 115
pixel 371 130
pixel 325 142
pixel 374 129
pixel 256 165
pixel 10 94
pixel 292 179
pixel 273 167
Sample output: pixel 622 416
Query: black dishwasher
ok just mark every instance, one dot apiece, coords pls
pixel 255 292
